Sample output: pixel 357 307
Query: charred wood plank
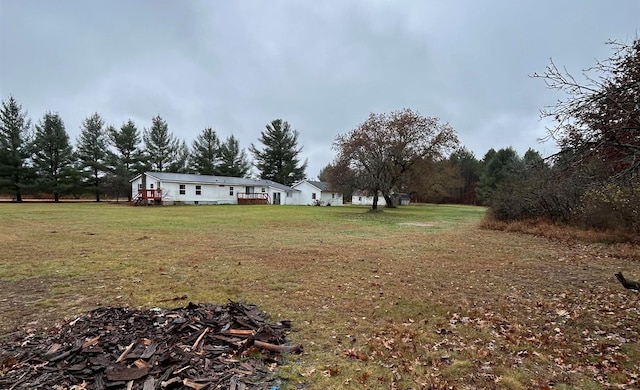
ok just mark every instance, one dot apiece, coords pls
pixel 119 372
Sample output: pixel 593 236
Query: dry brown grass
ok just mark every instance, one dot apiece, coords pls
pixel 553 230
pixel 408 298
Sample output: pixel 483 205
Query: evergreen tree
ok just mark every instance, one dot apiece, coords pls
pixel 205 153
pixel 279 161
pixel 128 159
pixel 503 165
pixel 233 160
pixel 93 153
pixel 53 154
pixel 14 148
pixel 180 159
pixel 533 158
pixel 470 169
pixel 161 146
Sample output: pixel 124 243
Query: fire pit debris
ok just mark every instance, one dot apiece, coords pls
pixel 198 347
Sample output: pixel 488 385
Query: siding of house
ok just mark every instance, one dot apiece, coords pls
pixel 209 193
pixel 332 198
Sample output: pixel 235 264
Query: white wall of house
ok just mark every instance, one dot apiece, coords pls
pixel 293 197
pixel 308 193
pixel 135 185
pixel 331 198
pixel 208 193
pixel 275 194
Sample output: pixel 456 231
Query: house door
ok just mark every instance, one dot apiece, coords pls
pixel 250 190
pixel 276 198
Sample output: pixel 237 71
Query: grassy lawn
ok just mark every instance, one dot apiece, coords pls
pixel 408 298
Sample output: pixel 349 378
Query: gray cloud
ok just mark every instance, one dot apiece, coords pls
pixel 322 66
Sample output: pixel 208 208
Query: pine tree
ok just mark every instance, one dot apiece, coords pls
pixel 53 154
pixel 128 159
pixel 279 161
pixel 233 160
pixel 126 141
pixel 14 148
pixel 504 164
pixel 93 153
pixel 160 145
pixel 180 160
pixel 205 153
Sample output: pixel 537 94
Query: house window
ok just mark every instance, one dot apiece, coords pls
pixel 333 196
pixel 183 189
pixel 231 191
pixel 313 195
pixel 198 190
pixel 139 186
pixel 263 189
pixel 151 185
pixel 360 198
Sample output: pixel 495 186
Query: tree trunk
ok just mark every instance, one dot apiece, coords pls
pixel 17 185
pixel 374 206
pixel 56 197
pixel 96 181
pixel 390 203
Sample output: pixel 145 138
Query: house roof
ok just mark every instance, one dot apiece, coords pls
pixel 221 180
pixel 321 185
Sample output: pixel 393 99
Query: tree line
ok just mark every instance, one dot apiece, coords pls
pixel 41 159
pixel 404 152
pixel 593 181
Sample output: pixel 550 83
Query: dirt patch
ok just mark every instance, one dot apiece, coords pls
pixel 418 224
pixel 18 301
pixel 34 303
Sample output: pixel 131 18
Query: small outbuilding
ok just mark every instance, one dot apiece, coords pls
pixel 316 193
pixel 363 198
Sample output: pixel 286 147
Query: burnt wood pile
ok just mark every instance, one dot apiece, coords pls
pixel 201 346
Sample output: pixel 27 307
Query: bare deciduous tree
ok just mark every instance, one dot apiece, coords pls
pixel 385 148
pixel 597 127
pixel 599 120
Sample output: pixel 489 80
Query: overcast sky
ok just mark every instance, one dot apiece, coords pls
pixel 323 66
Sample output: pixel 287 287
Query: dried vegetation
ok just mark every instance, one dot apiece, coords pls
pixel 418 297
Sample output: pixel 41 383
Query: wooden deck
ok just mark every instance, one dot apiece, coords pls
pixel 147 197
pixel 259 198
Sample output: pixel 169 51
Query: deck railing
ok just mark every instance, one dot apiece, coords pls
pixel 147 196
pixel 255 198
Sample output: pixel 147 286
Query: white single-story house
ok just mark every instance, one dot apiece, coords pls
pixel 180 188
pixel 316 193
pixel 363 198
